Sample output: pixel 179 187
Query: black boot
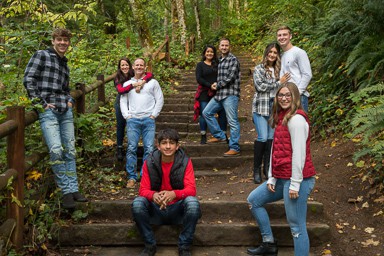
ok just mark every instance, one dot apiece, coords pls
pixel 203 139
pixel 267 157
pixel 258 152
pixel 120 153
pixel 269 249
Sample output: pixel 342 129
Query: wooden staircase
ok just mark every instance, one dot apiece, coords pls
pixel 226 227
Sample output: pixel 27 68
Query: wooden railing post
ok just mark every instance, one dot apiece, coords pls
pixel 101 89
pixel 16 160
pixel 167 54
pixel 80 102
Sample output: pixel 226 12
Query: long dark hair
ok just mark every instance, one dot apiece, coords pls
pixel 120 76
pixel 276 65
pixel 295 104
pixel 215 60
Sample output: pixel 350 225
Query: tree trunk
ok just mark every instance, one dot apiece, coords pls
pixel 141 24
pixel 181 18
pixel 174 21
pixel 197 18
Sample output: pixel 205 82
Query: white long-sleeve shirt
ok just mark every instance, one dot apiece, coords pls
pixel 299 130
pixel 148 102
pixel 296 62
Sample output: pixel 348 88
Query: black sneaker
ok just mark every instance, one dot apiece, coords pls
pixel 149 250
pixel 184 252
pixel 78 197
pixel 68 201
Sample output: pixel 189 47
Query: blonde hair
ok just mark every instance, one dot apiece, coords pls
pixel 295 104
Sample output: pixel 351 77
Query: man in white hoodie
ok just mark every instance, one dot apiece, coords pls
pixel 140 107
pixel 295 61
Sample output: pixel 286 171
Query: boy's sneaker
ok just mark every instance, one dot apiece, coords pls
pixel 149 250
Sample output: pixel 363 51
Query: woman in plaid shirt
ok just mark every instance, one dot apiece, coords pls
pixel 266 80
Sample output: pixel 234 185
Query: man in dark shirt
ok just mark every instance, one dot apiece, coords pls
pixel 46 79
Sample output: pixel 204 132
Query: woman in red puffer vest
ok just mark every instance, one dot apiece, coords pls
pixel 291 174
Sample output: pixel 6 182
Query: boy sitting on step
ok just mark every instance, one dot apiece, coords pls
pixel 167 194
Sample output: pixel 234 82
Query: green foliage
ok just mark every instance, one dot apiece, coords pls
pixel 369 125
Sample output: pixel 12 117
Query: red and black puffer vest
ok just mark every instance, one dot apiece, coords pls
pixel 282 151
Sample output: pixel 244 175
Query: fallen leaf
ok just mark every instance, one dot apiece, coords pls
pixel 365 205
pixel 370 242
pixel 350 164
pixel 327 165
pixel 333 144
pixel 378 213
pixel 369 230
pixel 379 200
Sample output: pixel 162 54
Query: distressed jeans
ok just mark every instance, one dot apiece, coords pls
pixel 222 118
pixel 137 127
pixel 59 135
pixel 230 105
pixel 186 212
pixel 295 209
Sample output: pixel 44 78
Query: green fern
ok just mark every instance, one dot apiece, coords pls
pixel 368 123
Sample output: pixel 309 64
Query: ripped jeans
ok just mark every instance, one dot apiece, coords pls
pixel 295 209
pixel 59 135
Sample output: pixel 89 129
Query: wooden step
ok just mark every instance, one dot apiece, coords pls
pixel 213 211
pixel 218 234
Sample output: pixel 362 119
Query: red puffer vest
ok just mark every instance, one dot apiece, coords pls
pixel 282 151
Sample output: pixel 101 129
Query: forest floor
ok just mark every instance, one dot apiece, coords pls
pixel 353 208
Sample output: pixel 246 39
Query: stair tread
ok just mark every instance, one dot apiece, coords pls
pixel 166 250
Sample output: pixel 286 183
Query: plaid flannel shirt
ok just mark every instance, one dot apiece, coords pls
pixel 228 78
pixel 265 88
pixel 46 79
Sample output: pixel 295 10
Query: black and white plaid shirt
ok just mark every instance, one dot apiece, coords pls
pixel 228 78
pixel 46 79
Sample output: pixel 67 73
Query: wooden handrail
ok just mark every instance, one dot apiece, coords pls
pixel 14 128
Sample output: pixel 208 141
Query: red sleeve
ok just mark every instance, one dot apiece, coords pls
pixel 189 183
pixel 145 185
pixel 122 90
pixel 148 76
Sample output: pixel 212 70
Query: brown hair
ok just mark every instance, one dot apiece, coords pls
pixel 295 104
pixel 284 28
pixel 225 39
pixel 62 32
pixel 276 65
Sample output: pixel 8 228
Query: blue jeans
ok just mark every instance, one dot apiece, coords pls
pixel 59 135
pixel 264 130
pixel 222 118
pixel 230 105
pixel 186 212
pixel 304 102
pixel 295 209
pixel 120 123
pixel 137 127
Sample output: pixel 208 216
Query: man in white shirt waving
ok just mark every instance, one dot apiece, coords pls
pixel 296 62
pixel 140 107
